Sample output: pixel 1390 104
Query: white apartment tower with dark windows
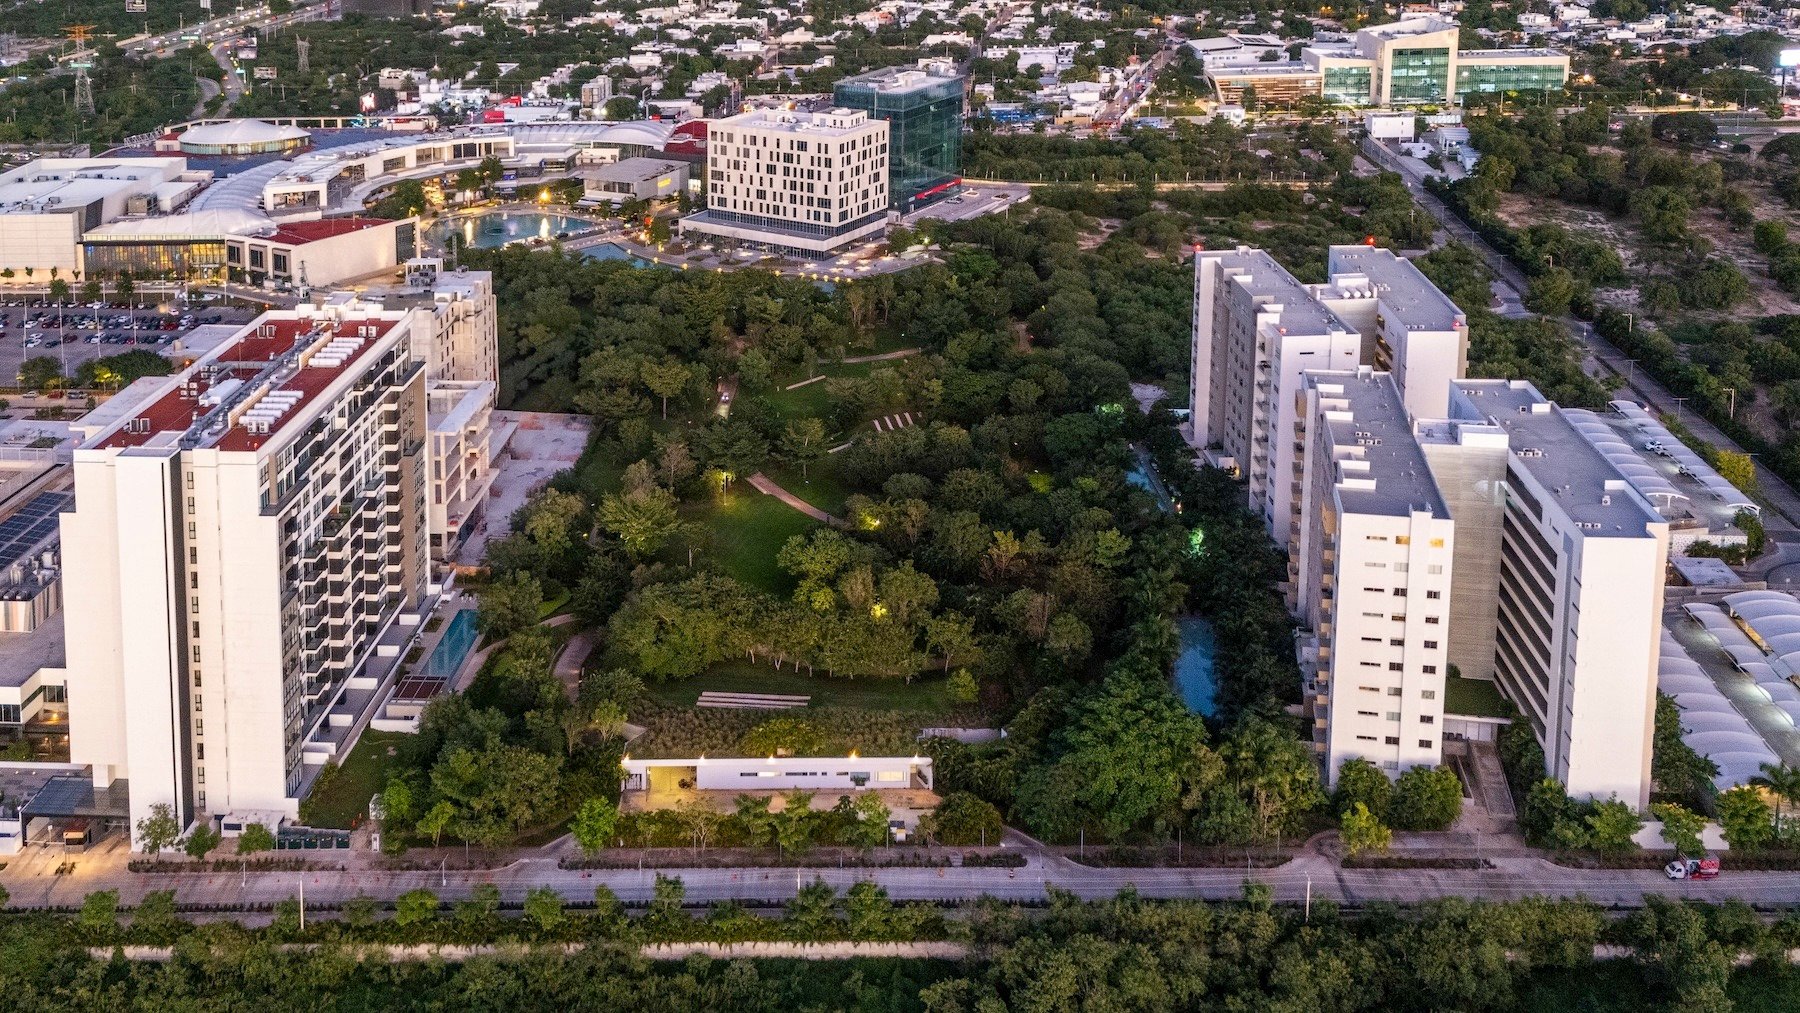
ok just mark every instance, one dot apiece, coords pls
pixel 249 554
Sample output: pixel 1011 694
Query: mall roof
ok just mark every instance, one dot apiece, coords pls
pixel 238 132
pixel 188 225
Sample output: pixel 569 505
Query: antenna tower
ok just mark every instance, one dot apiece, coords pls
pixel 80 61
pixel 300 47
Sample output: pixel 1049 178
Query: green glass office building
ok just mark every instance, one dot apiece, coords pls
pixel 924 110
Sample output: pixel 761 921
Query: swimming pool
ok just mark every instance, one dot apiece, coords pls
pixel 497 228
pixel 459 638
pixel 1195 679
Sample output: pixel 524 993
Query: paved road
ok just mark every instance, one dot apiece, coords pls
pixel 1601 353
pixel 32 883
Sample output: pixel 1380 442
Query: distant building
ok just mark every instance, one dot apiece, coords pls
pixel 1417 61
pixel 924 112
pixel 804 184
pixel 47 204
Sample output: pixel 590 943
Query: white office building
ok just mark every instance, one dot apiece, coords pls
pixel 1579 597
pixel 1374 568
pixel 803 184
pixel 248 560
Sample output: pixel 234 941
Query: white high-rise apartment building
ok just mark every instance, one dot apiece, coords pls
pixel 247 559
pixel 1409 327
pixel 1256 330
pixel 1579 595
pixel 798 183
pixel 1375 563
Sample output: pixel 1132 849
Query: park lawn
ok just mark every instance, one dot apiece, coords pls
pixel 748 529
pixel 820 487
pixel 361 775
pixel 924 695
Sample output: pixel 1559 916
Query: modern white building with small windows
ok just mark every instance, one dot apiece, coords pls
pixel 784 773
pixel 798 183
pixel 1374 565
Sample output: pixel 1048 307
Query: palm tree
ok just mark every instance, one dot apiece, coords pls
pixel 1783 782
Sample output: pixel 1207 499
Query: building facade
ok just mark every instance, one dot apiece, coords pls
pixel 1374 566
pixel 249 547
pixel 924 112
pixel 799 183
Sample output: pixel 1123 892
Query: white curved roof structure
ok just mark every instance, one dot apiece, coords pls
pixel 240 191
pixel 650 133
pixel 1710 722
pixel 1655 486
pixel 237 133
pixel 1709 479
pixel 224 221
pixel 1774 618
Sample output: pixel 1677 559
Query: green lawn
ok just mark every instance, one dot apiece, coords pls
pixel 820 487
pixel 866 694
pixel 748 529
pixel 1475 697
pixel 812 399
pixel 363 773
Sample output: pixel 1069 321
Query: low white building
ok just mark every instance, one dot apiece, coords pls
pixel 783 773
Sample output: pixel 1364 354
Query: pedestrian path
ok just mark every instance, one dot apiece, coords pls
pixel 767 486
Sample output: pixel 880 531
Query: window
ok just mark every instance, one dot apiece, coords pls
pixel 1393 691
pixel 1403 540
pixel 1434 595
pixel 1434 569
pixel 1369 689
pixel 1375 538
pixel 1437 543
pixel 1393 715
pixel 1433 620
pixel 1427 719
pixel 1399 592
pixel 1365 738
pixel 1429 694
pixel 1396 641
pixel 1430 669
pixel 1424 743
pixel 1365 714
pixel 1393 740
pixel 1396 666
pixel 1431 645
pixel 1391 764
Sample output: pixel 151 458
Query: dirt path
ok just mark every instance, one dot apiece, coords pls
pixel 569 662
pixel 766 485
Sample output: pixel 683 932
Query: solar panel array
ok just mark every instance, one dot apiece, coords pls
pixel 34 522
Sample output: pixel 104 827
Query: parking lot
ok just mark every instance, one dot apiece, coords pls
pixel 976 199
pixel 31 327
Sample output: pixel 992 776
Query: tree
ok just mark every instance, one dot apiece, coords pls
pixel 961 688
pixel 803 442
pixel 99 916
pixel 1612 825
pixel 415 907
pixel 158 830
pixel 1738 469
pixel 1361 831
pixel 40 372
pixel 1361 782
pixel 595 825
pixel 1783 782
pixel 404 201
pixel 510 604
pixel 666 379
pixel 642 519
pixel 1427 799
pixel 1745 818
pixel 255 837
pixel 620 107
pixel 436 821
pixel 156 912
pixel 201 840
pixel 544 907
pixel 1681 828
pixel 1770 237
pixel 961 819
pixel 784 736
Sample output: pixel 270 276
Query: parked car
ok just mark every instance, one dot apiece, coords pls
pixel 1692 868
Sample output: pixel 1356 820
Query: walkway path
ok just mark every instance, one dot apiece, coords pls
pixel 574 655
pixel 883 357
pixel 766 485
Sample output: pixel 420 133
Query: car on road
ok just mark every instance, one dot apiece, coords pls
pixel 1692 868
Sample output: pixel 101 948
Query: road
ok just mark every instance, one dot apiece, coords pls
pixel 227 26
pixel 1601 353
pixel 32 882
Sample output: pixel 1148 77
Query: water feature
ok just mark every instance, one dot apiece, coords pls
pixel 497 228
pixel 1144 476
pixel 613 251
pixel 1195 680
pixel 458 639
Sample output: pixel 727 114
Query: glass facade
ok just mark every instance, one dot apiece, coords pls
pixel 1349 86
pixel 924 115
pixel 1495 77
pixel 153 258
pixel 1419 75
